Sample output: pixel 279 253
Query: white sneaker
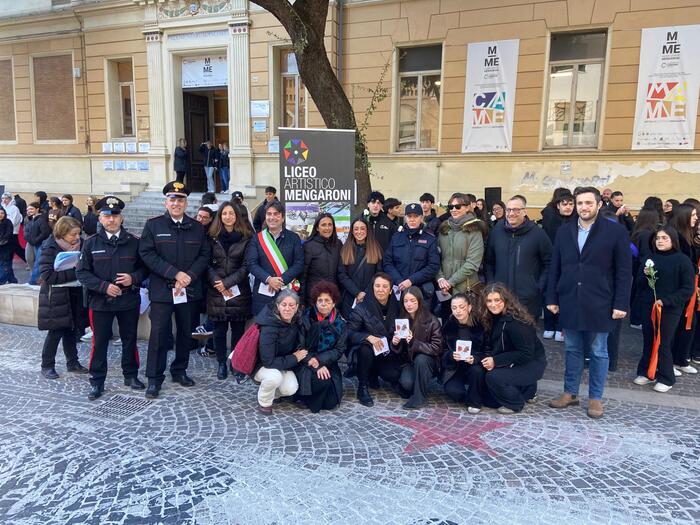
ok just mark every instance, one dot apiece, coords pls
pixel 676 372
pixel 548 334
pixel 559 337
pixel 87 337
pixel 641 380
pixel 117 341
pixel 687 369
pixel 660 387
pixel 473 410
pixel 695 360
pixel 636 326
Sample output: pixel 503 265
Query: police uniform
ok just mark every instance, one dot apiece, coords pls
pixel 168 247
pixel 103 256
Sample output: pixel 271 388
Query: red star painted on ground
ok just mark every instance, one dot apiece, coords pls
pixel 440 428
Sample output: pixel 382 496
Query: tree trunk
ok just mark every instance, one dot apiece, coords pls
pixel 305 22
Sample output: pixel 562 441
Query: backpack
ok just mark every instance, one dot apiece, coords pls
pixel 245 354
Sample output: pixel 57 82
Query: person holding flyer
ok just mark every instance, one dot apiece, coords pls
pixel 274 257
pixel 418 340
pixel 228 294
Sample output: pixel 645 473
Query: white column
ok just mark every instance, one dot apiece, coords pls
pixel 239 100
pixel 154 53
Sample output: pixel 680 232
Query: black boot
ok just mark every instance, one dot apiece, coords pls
pixel 363 395
pixel 222 373
pixel 152 391
pixel 96 392
pixel 134 383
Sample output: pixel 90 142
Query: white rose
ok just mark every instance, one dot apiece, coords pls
pixel 649 264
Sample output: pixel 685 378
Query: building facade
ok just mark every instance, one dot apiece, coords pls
pixel 95 94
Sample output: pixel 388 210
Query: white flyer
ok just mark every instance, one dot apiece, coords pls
pixel 401 328
pixel 385 347
pixel 233 292
pixel 442 296
pixel 264 289
pixel 179 296
pixel 463 349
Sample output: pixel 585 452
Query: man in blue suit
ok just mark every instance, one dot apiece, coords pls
pixel 590 276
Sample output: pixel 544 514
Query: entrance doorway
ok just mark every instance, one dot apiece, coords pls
pixel 206 118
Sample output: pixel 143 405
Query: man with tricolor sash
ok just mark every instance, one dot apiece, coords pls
pixel 274 257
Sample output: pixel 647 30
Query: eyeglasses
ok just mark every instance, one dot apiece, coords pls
pixel 451 207
pixel 514 211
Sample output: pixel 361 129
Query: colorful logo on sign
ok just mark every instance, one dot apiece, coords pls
pixel 489 109
pixel 665 101
pixel 296 152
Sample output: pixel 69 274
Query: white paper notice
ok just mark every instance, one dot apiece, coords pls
pixel 384 349
pixel 401 328
pixel 179 296
pixel 233 292
pixel 464 349
pixel 397 292
pixel 264 289
pixel 442 296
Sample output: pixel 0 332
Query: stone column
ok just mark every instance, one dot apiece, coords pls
pixel 239 98
pixel 154 53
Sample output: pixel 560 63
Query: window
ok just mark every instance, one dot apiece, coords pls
pixel 53 99
pixel 120 92
pixel 575 85
pixel 293 92
pixel 7 102
pixel 419 97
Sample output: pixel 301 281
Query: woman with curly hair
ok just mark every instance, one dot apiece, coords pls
pixel 515 358
pixel 325 335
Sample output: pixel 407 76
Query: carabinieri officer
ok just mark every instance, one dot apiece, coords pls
pixel 175 250
pixel 111 270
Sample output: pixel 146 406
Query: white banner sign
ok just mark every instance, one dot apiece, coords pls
pixel 667 88
pixel 209 71
pixel 489 96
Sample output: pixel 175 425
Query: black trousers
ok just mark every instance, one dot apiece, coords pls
pixel 101 325
pixel 695 351
pixel 513 386
pixel 613 345
pixel 415 377
pixel 683 341
pixel 468 385
pixel 323 396
pixel 17 249
pixel 53 337
pixel 664 369
pixel 220 332
pixel 157 344
pixel 388 367
pixel 180 176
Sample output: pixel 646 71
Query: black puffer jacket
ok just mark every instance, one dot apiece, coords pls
pixel 278 341
pixel 90 222
pixel 367 319
pixel 320 263
pixel 37 229
pixel 60 307
pixel 5 238
pixel 228 267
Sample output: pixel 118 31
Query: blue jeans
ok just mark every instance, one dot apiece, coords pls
pixel 224 175
pixel 35 269
pixel 576 343
pixel 209 170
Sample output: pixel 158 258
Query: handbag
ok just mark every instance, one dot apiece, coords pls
pixel 245 354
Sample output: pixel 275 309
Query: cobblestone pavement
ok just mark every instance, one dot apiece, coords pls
pixel 203 455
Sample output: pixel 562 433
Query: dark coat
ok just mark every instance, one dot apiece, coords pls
pixel 519 258
pixel 427 339
pixel 355 278
pixel 588 285
pixel 675 282
pixel 37 229
pixel 278 341
pixel 552 219
pixel 412 255
pixel 61 307
pixel 432 223
pixel 452 331
pixel 229 268
pixel 259 265
pixel 259 218
pixel 382 227
pixel 313 331
pixel 320 264
pixel 168 248
pixel 180 159
pixel 6 248
pixel 90 222
pixel 210 156
pixel 72 211
pixel 366 319
pixel 625 219
pixel 513 343
pixel 21 205
pixel 100 262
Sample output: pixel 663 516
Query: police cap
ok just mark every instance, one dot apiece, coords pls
pixel 413 209
pixel 175 189
pixel 109 205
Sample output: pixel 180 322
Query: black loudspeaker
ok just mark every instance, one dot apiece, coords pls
pixel 492 195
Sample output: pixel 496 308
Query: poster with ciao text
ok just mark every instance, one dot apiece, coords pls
pixel 667 88
pixel 489 96
pixel 317 175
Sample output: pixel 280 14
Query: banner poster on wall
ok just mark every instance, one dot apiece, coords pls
pixel 667 88
pixel 208 71
pixel 317 175
pixel 489 96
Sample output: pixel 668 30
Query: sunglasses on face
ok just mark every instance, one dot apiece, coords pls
pixel 451 207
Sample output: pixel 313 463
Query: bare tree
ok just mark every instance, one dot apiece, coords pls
pixel 305 21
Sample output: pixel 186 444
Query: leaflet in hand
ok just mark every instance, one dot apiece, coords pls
pixel 179 296
pixel 66 261
pixel 397 292
pixel 233 292
pixel 442 296
pixel 401 328
pixel 463 349
pixel 264 289
pixel 384 349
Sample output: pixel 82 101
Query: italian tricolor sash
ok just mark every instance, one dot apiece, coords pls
pixel 274 255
